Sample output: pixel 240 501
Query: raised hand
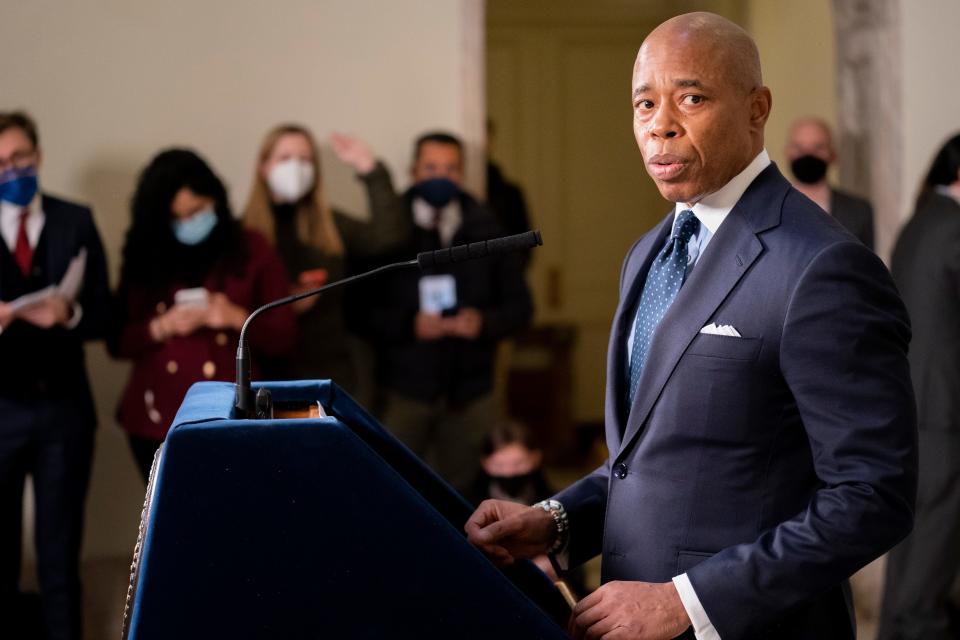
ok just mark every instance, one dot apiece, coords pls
pixel 354 152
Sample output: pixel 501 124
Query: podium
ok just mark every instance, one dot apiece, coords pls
pixel 313 528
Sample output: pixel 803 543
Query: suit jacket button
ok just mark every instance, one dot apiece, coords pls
pixel 172 367
pixel 620 471
pixel 209 369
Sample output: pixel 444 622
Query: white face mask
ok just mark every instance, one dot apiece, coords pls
pixel 290 180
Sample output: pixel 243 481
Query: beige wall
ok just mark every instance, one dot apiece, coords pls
pixel 931 92
pixel 795 38
pixel 112 82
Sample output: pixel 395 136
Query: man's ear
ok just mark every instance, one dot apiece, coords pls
pixel 761 101
pixel 39 157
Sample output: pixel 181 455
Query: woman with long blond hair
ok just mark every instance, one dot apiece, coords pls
pixel 288 205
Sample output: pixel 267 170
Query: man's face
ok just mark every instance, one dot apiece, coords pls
pixel 438 160
pixel 691 120
pixel 16 150
pixel 809 139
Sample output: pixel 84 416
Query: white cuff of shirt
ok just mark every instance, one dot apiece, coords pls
pixel 702 627
pixel 76 317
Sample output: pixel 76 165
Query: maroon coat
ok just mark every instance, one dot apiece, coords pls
pixel 163 371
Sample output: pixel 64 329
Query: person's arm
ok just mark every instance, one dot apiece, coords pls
pixel 94 303
pixel 514 307
pixel 130 335
pixel 867 235
pixel 390 223
pixel 273 333
pixel 843 356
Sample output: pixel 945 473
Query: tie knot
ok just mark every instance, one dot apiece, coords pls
pixel 24 213
pixel 687 224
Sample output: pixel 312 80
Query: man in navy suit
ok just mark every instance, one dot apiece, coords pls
pixel 46 410
pixel 759 412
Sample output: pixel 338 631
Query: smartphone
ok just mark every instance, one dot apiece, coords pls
pixel 195 297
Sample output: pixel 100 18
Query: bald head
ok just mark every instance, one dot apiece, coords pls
pixel 699 104
pixel 732 48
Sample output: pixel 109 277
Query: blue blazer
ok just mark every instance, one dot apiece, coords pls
pixel 770 467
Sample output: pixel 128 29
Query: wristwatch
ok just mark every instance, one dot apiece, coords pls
pixel 555 509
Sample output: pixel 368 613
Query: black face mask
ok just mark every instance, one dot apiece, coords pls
pixel 515 485
pixel 809 169
pixel 438 192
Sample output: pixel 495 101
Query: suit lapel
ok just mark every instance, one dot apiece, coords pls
pixel 634 275
pixel 729 256
pixel 57 242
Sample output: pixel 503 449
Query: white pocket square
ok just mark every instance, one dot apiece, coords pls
pixel 721 330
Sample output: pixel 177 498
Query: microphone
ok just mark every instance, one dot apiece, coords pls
pixel 497 246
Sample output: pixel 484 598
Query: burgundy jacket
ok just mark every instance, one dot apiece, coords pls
pixel 163 371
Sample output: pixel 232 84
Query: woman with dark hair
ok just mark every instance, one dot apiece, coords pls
pixel 926 267
pixel 189 278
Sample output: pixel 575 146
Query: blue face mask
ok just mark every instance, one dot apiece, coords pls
pixel 18 186
pixel 196 228
pixel 438 192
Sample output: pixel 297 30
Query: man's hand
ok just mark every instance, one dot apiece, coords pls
pixel 223 314
pixel 634 610
pixel 466 324
pixel 429 326
pixel 354 152
pixel 507 531
pixel 52 311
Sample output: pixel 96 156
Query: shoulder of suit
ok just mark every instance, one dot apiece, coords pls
pixel 56 205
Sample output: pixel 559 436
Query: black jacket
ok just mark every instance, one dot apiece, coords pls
pixel 855 214
pixel 926 267
pixel 43 365
pixel 452 368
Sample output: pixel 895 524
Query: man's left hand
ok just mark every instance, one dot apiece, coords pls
pixel 50 312
pixel 634 610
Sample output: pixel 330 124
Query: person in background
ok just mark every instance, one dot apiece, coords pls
pixel 511 466
pixel 48 420
pixel 190 276
pixel 288 206
pixel 810 152
pixel 926 267
pixel 436 331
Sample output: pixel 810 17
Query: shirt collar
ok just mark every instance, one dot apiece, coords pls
pixel 714 208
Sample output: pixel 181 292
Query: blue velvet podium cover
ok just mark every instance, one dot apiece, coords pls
pixel 314 528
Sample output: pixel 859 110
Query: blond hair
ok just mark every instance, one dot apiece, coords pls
pixel 314 220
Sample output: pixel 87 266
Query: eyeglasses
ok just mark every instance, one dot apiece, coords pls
pixel 18 160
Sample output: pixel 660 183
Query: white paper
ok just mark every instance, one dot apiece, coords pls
pixel 69 286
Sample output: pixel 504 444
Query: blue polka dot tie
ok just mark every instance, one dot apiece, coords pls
pixel 663 283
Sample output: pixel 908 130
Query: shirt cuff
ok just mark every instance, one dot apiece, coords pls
pixel 702 627
pixel 76 317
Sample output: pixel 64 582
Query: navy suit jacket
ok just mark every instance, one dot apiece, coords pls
pixel 770 467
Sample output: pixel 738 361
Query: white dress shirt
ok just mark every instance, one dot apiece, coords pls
pixel 10 222
pixel 424 216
